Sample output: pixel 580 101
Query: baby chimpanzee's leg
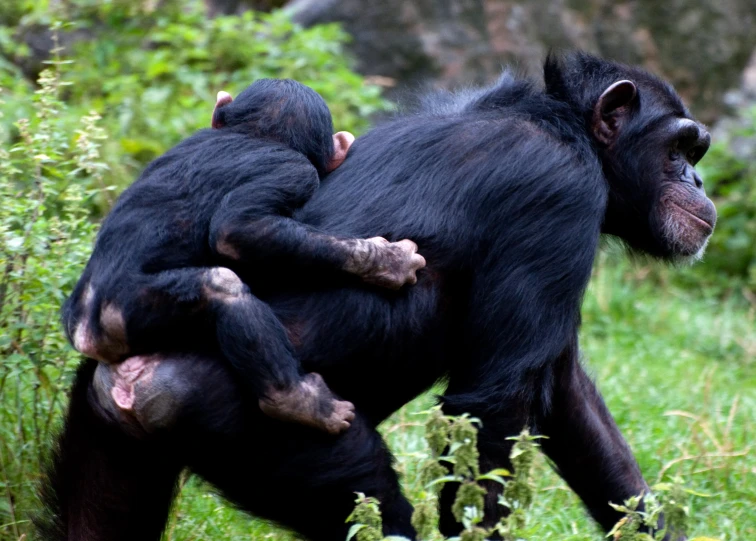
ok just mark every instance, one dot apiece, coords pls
pixel 189 302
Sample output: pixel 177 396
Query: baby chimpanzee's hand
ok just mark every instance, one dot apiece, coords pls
pixel 392 264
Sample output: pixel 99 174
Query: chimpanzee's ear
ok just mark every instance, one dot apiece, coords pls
pixel 224 98
pixel 611 110
pixel 341 142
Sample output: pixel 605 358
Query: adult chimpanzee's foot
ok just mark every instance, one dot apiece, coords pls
pixel 387 264
pixel 310 403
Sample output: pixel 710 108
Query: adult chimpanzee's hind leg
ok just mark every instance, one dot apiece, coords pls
pixel 291 474
pixel 178 308
pixel 102 484
pixel 303 479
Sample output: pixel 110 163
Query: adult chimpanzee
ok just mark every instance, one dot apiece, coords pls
pixel 162 278
pixel 507 190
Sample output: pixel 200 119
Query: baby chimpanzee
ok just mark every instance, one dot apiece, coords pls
pixel 159 277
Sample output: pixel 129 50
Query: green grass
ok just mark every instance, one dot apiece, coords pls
pixel 678 371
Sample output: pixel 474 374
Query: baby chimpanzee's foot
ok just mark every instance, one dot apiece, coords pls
pixel 311 403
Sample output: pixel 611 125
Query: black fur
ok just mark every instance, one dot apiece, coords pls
pixel 507 192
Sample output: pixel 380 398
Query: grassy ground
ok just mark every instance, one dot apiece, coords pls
pixel 678 371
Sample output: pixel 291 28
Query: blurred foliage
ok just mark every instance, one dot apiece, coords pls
pixel 153 72
pixel 732 184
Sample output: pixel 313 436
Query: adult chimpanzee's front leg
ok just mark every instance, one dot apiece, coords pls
pixel 585 443
pixel 583 440
pixel 287 473
pixel 252 227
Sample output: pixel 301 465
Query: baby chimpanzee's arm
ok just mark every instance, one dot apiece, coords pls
pixel 252 224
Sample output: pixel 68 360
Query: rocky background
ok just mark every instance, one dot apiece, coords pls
pixel 706 48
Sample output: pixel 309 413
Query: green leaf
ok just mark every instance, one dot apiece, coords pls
pixel 444 479
pixel 353 530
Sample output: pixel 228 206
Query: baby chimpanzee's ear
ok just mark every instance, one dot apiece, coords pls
pixel 224 98
pixel 341 143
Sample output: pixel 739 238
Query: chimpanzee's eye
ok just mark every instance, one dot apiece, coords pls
pixel 674 155
pixel 693 155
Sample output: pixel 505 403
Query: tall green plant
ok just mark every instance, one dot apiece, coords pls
pixel 45 237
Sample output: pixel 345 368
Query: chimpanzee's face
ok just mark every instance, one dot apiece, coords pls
pixel 682 214
pixel 657 202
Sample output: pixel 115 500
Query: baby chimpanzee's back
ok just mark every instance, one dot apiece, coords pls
pixel 162 220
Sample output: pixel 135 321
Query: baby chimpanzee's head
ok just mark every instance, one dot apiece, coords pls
pixel 285 111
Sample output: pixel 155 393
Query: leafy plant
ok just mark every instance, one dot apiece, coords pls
pixel 453 458
pixel 45 237
pixel 457 438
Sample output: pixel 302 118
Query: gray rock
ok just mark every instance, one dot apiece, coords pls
pixel 702 46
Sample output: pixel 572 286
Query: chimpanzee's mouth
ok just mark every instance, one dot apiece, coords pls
pixel 698 219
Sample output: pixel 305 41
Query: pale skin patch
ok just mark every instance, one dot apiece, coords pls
pixel 223 284
pixel 83 341
pixel 112 343
pixel 114 326
pixel 139 393
pixel 125 377
pixel 341 142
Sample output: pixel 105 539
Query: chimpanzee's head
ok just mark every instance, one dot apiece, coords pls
pixel 648 144
pixel 288 112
